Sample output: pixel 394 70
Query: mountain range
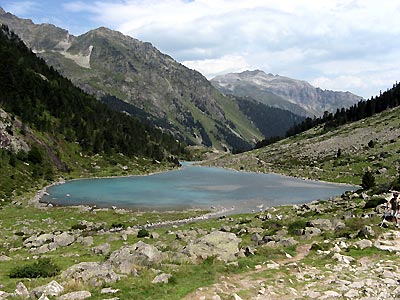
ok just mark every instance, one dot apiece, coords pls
pixel 119 69
pixel 297 96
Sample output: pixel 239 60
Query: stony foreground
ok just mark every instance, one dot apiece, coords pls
pixel 322 250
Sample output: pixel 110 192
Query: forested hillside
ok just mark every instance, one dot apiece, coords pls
pixel 50 123
pixel 361 110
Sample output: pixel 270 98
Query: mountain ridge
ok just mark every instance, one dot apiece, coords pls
pixel 298 96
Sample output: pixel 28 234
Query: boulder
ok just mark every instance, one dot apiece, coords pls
pixel 323 224
pixel 222 245
pixel 86 241
pixel 4 258
pixel 64 239
pixel 364 244
pixel 287 242
pixel 42 239
pixel 21 291
pixel 51 289
pixel 162 278
pixel 103 249
pixel 43 297
pixel 310 232
pixel 41 250
pixel 366 232
pixel 140 254
pixel 93 273
pixel 4 295
pixel 76 296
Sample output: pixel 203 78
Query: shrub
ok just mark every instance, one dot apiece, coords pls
pixel 143 233
pixel 41 268
pixel 374 202
pixel 368 180
pixel 79 226
pixel 296 227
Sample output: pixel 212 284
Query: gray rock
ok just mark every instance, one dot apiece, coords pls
pixel 352 294
pixel 64 239
pixel 366 232
pixel 364 244
pixel 4 295
pixel 76 296
pixel 140 254
pixel 51 289
pixel 41 250
pixel 93 273
pixel 43 297
pixel 223 245
pixel 103 249
pixel 287 242
pixel 86 241
pixel 162 278
pixel 21 291
pixel 4 258
pixel 323 224
pixel 42 239
pixel 154 235
pixel 310 232
pixel 109 291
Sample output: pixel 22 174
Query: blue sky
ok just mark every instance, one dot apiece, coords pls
pixel 349 45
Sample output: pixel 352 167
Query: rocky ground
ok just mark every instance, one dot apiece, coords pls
pixel 322 250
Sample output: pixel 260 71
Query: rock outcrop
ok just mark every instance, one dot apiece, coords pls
pixel 222 245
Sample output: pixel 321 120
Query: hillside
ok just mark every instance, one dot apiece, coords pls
pixel 105 62
pixel 342 154
pixel 297 96
pixel 48 127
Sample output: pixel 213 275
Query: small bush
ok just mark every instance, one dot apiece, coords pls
pixel 118 225
pixel 143 233
pixel 79 226
pixel 321 247
pixel 296 227
pixel 41 268
pixel 372 203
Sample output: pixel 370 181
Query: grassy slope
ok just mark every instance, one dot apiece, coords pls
pixel 313 154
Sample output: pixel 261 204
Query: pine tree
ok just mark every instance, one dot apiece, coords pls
pixel 368 180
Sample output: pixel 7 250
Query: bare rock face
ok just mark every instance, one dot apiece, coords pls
pixel 139 254
pixel 223 245
pixel 93 273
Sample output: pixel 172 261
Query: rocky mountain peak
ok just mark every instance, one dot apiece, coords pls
pixel 298 96
pixel 2 12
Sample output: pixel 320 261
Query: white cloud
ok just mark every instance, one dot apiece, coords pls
pixel 218 66
pixel 299 38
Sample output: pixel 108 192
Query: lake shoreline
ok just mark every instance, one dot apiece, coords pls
pixel 210 187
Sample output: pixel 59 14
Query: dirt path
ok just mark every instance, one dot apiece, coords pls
pixel 227 286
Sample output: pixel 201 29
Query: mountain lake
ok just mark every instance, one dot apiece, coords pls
pixel 193 187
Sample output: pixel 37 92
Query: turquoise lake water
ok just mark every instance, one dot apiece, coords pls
pixel 193 187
